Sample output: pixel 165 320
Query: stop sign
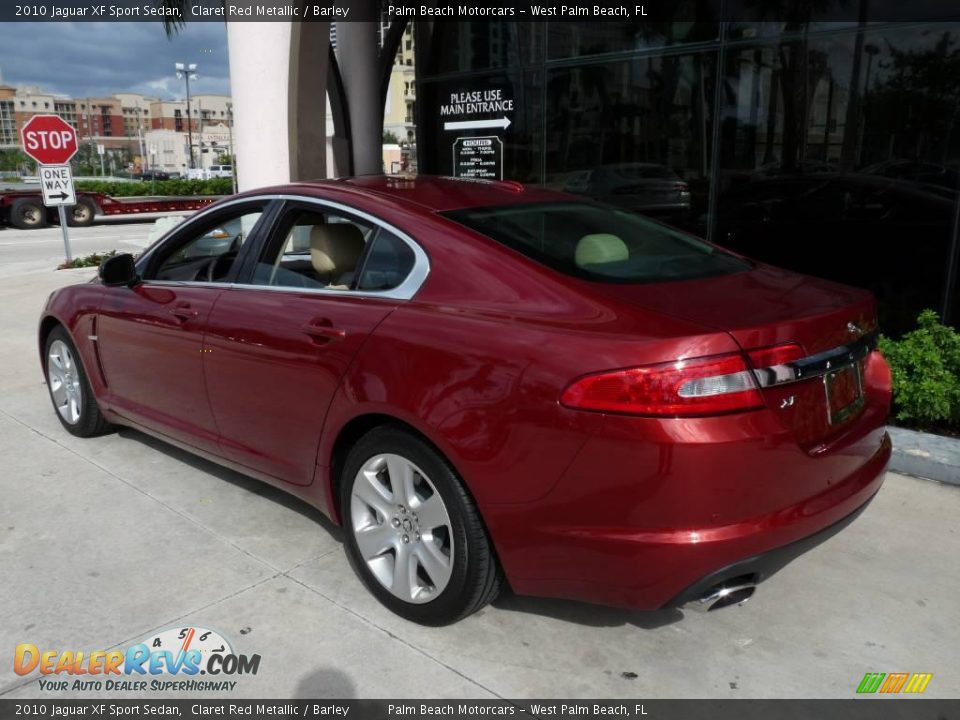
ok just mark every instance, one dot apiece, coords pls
pixel 49 139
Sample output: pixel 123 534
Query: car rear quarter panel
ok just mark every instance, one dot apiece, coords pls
pixel 478 360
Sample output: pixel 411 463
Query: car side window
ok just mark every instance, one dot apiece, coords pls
pixel 331 250
pixel 388 263
pixel 208 254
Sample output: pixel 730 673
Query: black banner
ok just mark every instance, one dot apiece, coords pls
pixel 793 11
pixel 876 709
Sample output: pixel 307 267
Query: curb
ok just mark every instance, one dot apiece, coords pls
pixel 924 455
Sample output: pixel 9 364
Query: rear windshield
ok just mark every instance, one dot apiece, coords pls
pixel 600 243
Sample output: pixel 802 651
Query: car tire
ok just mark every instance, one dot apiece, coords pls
pixel 69 388
pixel 81 214
pixel 27 214
pixel 449 563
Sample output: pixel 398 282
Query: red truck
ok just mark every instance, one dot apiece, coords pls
pixel 24 209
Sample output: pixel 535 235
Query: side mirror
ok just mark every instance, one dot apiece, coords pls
pixel 119 271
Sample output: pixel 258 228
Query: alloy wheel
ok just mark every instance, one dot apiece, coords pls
pixel 402 528
pixel 63 376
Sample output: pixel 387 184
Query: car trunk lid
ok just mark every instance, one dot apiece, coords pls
pixel 768 307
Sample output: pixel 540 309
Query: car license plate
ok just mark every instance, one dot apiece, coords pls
pixel 844 389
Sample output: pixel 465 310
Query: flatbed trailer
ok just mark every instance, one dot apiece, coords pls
pixel 24 209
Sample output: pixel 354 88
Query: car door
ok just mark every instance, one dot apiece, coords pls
pixel 279 341
pixel 150 336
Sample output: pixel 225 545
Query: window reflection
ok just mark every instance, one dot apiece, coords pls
pixel 837 149
pixel 572 39
pixel 840 157
pixel 476 45
pixel 634 133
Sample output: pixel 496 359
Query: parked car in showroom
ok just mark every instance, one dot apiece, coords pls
pixel 489 384
pixel 646 187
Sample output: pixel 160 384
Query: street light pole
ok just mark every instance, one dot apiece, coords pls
pixel 188 72
pixel 233 157
pixel 140 136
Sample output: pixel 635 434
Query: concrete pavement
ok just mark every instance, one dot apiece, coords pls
pixel 25 251
pixel 104 542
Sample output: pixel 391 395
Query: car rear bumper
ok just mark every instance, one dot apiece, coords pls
pixel 756 569
pixel 712 510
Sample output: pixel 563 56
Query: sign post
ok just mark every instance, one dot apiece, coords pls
pixel 52 141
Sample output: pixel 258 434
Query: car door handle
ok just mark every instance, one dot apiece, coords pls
pixel 327 332
pixel 184 312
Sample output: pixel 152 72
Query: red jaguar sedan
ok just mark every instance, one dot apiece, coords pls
pixel 487 383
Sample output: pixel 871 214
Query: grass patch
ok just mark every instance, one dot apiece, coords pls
pixel 91 260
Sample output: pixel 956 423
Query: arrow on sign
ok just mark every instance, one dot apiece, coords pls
pixel 477 124
pixel 61 196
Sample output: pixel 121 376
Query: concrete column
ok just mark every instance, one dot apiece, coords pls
pixel 309 65
pixel 357 54
pixel 259 72
pixel 278 77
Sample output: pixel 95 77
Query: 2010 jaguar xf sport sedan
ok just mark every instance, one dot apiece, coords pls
pixel 490 384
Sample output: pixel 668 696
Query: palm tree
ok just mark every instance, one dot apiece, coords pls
pixel 172 24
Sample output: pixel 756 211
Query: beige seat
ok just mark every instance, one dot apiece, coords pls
pixel 600 248
pixel 335 251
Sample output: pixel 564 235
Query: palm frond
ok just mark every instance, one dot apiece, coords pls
pixel 173 23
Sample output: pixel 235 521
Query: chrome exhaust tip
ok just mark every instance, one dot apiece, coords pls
pixel 722 596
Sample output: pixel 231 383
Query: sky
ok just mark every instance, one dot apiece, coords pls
pixel 92 59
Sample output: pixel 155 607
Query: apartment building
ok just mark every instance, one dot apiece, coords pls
pixel 204 110
pixel 136 110
pixel 118 122
pixel 169 150
pixel 399 108
pixel 8 121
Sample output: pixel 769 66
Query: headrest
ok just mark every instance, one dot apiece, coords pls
pixel 335 248
pixel 600 248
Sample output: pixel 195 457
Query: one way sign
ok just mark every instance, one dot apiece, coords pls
pixel 57 185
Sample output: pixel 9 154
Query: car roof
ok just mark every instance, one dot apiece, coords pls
pixel 440 194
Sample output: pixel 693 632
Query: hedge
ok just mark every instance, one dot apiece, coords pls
pixel 926 375
pixel 214 186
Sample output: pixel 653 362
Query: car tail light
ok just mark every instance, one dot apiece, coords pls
pixel 684 388
pixel 775 355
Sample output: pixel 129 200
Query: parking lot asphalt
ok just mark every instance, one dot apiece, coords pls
pixel 105 542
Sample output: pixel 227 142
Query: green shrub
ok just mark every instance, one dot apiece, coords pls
pixel 926 373
pixel 92 260
pixel 137 188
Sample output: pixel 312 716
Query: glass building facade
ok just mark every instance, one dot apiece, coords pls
pixel 830 148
